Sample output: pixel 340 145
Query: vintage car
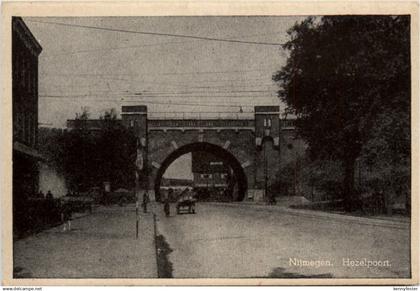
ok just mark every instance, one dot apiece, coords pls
pixel 186 203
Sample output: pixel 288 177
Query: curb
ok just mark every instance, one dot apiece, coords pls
pixel 322 215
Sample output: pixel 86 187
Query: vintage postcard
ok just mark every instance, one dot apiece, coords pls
pixel 209 143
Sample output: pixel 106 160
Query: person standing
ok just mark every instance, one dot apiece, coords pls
pixel 146 200
pixel 50 206
pixel 166 208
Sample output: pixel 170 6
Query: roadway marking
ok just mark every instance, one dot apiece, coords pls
pixel 156 165
pixel 200 129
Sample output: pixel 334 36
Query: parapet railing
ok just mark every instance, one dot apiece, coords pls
pixel 201 123
pixel 200 115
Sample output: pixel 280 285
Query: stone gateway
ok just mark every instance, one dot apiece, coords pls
pixel 254 147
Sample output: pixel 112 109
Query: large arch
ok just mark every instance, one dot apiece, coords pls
pixel 216 150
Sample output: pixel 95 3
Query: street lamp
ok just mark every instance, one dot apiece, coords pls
pixel 267 129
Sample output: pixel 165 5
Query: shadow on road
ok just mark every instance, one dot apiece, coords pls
pixel 165 268
pixel 281 273
pixel 19 272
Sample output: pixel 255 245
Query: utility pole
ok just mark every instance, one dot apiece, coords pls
pixel 138 167
pixel 137 202
pixel 267 128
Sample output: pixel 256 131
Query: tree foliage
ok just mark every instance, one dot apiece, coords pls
pixel 344 75
pixel 88 158
pixel 116 151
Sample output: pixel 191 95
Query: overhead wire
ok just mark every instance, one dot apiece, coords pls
pixel 160 33
pixel 133 47
pixel 170 84
pixel 172 103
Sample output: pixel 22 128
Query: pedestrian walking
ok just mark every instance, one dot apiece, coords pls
pixel 146 200
pixel 272 200
pixel 166 208
pixel 169 194
pixel 50 208
pixel 41 194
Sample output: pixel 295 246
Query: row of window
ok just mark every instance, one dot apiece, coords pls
pixel 25 128
pixel 285 123
pixel 23 73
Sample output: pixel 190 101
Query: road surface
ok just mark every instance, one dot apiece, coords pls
pixel 225 241
pixel 100 245
pixel 220 241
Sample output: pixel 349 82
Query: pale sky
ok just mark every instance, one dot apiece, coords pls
pixel 99 69
pixel 180 168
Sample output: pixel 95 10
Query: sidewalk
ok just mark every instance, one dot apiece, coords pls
pixel 100 245
pixel 376 221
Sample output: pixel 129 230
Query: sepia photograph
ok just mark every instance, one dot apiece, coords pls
pixel 212 147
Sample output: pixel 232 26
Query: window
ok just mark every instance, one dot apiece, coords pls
pixel 19 126
pixel 28 129
pixel 267 122
pixel 22 72
pixel 23 124
pixel 33 83
pixel 28 79
pixel 34 135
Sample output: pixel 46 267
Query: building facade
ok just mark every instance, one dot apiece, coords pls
pixel 209 171
pixel 25 52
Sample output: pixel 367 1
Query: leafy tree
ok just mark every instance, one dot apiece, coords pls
pixel 51 144
pixel 387 156
pixel 116 151
pixel 89 157
pixel 342 75
pixel 78 160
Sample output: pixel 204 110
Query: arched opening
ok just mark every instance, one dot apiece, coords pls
pixel 238 172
